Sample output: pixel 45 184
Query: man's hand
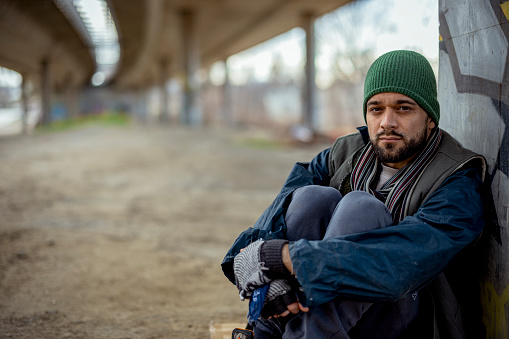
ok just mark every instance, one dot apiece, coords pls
pixel 294 308
pixel 250 270
pixel 291 305
pixel 281 300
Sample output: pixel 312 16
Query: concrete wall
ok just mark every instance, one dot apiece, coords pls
pixel 474 99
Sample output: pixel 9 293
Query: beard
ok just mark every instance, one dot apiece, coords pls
pixel 391 154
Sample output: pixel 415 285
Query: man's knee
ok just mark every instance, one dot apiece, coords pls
pixel 363 201
pixel 317 196
pixel 358 212
pixel 310 211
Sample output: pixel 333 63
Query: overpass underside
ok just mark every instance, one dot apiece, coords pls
pixel 48 43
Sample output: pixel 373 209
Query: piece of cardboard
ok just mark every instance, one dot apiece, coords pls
pixel 223 330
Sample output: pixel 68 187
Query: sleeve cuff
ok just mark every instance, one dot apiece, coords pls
pixel 270 254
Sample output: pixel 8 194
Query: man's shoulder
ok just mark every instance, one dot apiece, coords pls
pixel 453 147
pixel 344 147
pixel 451 151
pixel 351 141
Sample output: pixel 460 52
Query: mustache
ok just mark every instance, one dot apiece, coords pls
pixel 388 134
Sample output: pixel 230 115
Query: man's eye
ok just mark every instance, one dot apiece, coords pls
pixel 405 108
pixel 375 109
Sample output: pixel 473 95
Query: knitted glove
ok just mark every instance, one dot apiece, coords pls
pixel 249 270
pixel 279 296
pixel 258 264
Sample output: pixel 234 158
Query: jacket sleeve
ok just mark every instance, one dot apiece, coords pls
pixel 387 264
pixel 271 224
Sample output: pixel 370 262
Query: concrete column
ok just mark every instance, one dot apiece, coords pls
pixel 71 99
pixel 309 91
pixel 45 92
pixel 24 104
pixel 227 97
pixel 164 116
pixel 192 112
pixel 142 110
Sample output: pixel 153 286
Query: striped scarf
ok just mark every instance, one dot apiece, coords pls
pixel 394 193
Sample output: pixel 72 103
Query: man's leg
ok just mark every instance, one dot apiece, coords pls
pixel 356 212
pixel 388 319
pixel 307 217
pixel 317 212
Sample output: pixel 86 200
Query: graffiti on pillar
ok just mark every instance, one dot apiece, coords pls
pixel 498 91
pixel 475 37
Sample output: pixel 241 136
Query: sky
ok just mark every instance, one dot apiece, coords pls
pixel 417 26
pixel 9 78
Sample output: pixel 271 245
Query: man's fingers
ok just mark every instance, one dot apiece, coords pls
pixel 284 314
pixel 294 308
pixel 303 309
pixel 282 306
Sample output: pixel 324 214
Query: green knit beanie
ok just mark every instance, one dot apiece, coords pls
pixel 405 72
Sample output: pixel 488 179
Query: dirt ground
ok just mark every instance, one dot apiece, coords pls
pixel 119 232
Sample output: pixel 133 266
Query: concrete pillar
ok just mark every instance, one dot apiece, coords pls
pixel 71 99
pixel 227 97
pixel 142 110
pixel 45 92
pixel 309 91
pixel 24 104
pixel 192 112
pixel 164 116
pixel 474 103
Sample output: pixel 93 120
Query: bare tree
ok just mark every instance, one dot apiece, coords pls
pixel 351 32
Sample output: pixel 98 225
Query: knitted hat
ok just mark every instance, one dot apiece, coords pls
pixel 405 72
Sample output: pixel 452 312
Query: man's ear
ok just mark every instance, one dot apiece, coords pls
pixel 431 124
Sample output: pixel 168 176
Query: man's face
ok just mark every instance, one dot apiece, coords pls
pixel 398 128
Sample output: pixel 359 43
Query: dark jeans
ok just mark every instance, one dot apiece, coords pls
pixel 317 213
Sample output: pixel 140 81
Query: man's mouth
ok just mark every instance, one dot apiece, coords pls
pixel 389 137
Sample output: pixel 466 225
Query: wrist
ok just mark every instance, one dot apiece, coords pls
pixel 285 257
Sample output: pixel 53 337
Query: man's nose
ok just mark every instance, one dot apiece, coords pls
pixel 389 120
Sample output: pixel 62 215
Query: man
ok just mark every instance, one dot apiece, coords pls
pixel 357 242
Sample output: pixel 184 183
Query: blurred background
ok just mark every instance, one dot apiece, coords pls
pixel 294 66
pixel 138 138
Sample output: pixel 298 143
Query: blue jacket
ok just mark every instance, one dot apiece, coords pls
pixel 381 265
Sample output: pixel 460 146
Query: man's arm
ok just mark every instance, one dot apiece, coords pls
pixel 295 307
pixel 271 224
pixel 319 168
